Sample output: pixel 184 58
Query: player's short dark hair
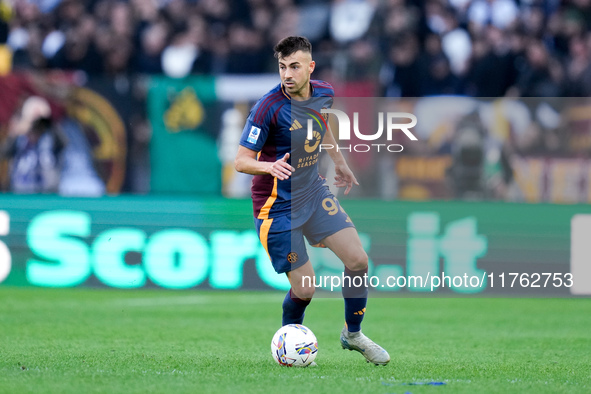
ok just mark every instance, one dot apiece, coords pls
pixel 290 45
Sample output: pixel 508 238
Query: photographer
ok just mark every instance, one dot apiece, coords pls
pixel 34 147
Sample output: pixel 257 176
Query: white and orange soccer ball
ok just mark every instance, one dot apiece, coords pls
pixel 294 345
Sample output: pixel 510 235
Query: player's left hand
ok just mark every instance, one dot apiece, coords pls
pixel 345 178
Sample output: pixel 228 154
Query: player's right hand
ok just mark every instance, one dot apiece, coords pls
pixel 281 168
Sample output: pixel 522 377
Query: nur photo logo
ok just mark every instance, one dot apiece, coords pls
pixel 392 121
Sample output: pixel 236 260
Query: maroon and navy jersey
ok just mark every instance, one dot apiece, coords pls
pixel 277 125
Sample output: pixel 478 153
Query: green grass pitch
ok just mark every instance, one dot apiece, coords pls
pixel 157 341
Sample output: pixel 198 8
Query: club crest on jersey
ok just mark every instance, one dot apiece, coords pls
pixel 253 136
pixel 292 257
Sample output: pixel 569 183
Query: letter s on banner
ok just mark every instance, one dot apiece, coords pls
pixel 5 257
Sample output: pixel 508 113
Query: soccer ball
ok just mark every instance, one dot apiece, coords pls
pixel 294 345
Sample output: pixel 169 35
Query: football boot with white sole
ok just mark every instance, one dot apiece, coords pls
pixel 357 341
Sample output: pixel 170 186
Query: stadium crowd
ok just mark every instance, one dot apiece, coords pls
pixel 484 48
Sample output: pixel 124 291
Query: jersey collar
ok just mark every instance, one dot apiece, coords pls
pixel 289 97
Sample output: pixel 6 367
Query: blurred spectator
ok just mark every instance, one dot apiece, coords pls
pixel 440 80
pixel 4 17
pixel 542 76
pixel 408 48
pixel 578 67
pixel 29 54
pixel 79 51
pixel 498 13
pixel 466 173
pixel 34 146
pixel 118 58
pixel 480 165
pixel 185 54
pixel 286 24
pixel 313 20
pixel 78 176
pixel 364 62
pixel 491 70
pixel 246 54
pixel 153 40
pixel 350 19
pixel 482 42
pixel 456 44
pixel 401 74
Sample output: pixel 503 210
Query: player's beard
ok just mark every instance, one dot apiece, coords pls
pixel 296 90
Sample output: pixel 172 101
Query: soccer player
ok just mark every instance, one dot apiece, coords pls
pixel 291 200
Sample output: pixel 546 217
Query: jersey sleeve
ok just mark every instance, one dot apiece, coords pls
pixel 256 129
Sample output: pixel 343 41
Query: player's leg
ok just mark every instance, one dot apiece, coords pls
pixel 287 251
pixel 330 226
pixel 300 275
pixel 347 246
pixel 299 296
pixel 302 281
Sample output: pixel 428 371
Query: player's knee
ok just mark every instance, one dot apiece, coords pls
pixel 305 293
pixel 358 261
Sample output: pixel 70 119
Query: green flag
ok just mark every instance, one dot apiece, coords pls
pixel 184 155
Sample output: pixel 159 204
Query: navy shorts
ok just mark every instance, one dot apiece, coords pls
pixel 285 245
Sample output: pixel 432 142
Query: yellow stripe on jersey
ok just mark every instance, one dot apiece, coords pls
pixel 284 92
pixel 264 235
pixel 264 213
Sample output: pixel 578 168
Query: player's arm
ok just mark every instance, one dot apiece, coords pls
pixel 344 177
pixel 246 161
